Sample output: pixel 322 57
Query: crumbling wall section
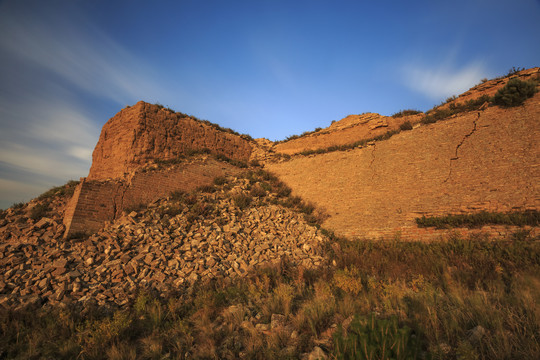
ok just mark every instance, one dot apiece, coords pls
pixel 95 202
pixel 140 134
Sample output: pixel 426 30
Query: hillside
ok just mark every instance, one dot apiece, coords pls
pixel 414 235
pixel 215 231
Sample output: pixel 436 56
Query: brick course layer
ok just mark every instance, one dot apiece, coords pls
pixel 487 160
pixel 97 201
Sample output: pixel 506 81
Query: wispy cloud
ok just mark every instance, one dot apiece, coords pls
pixel 76 51
pixel 44 135
pixel 48 63
pixel 442 80
pixel 52 145
pixel 18 191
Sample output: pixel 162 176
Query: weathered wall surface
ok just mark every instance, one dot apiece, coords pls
pixel 490 87
pixel 92 204
pixel 345 131
pixel 488 160
pixel 366 126
pixel 97 201
pixel 144 132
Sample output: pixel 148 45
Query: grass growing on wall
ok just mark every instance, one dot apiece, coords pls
pixel 521 218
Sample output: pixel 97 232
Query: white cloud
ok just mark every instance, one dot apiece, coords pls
pixel 43 162
pixel 82 153
pixel 442 80
pixel 49 58
pixel 51 138
pixel 29 168
pixel 63 125
pixel 76 51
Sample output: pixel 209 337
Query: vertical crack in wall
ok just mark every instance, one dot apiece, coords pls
pixel 371 164
pixel 122 189
pixel 114 202
pixel 119 205
pixel 456 155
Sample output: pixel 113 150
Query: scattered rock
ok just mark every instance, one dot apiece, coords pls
pixel 278 321
pixel 42 223
pixel 157 251
pixel 445 348
pixel 316 354
pixel 262 327
pixel 476 334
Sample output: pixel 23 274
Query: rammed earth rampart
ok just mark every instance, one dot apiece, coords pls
pixel 482 160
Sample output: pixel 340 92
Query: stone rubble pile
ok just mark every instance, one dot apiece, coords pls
pixel 163 247
pixel 16 224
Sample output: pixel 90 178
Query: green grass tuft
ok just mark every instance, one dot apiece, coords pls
pixel 523 218
pixel 515 92
pixel 407 112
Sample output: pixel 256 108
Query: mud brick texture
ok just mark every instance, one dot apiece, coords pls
pixel 481 160
pixel 95 202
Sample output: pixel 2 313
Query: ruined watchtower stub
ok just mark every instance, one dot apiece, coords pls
pixel 122 174
pixel 144 132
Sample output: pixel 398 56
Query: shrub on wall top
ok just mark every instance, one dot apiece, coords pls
pixel 514 93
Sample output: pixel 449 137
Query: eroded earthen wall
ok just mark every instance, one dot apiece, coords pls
pixel 346 131
pixel 487 160
pixel 97 201
pixel 141 133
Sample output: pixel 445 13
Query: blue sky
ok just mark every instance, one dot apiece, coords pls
pixel 266 68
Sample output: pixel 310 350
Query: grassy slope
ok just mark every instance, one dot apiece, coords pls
pixel 441 291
